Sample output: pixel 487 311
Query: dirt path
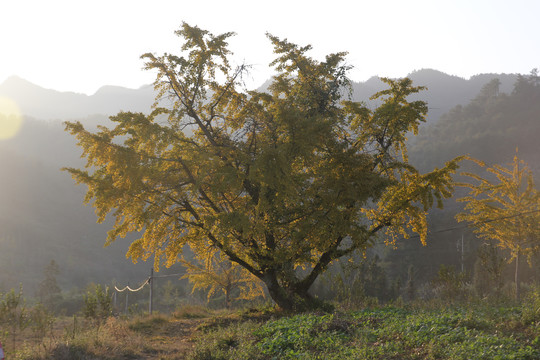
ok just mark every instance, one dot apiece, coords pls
pixel 173 341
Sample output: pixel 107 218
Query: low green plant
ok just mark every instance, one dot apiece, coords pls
pixel 475 332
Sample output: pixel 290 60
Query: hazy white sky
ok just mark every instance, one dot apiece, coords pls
pixel 72 45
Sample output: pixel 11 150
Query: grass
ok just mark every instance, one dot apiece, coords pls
pixel 406 332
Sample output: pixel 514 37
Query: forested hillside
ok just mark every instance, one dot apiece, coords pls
pixel 443 92
pixel 490 128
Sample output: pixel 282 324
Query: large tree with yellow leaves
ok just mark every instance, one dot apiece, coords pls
pixel 283 182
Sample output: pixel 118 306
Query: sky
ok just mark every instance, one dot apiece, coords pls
pixel 79 46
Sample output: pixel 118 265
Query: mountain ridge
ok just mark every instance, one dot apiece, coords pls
pixel 47 104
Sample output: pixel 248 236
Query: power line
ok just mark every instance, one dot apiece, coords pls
pixel 460 227
pixel 149 281
pixel 168 275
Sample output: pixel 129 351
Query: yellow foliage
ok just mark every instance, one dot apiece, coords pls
pixel 294 177
pixel 507 209
pixel 213 271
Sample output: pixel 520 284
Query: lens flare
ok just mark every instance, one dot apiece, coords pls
pixel 10 118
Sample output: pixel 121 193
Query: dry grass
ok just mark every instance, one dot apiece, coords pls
pixel 143 337
pixel 140 337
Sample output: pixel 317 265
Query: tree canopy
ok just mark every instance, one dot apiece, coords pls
pixel 282 182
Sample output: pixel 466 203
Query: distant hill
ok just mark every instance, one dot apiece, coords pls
pixel 490 127
pixel 46 104
pixel 443 91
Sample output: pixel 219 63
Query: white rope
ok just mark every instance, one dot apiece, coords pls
pixel 132 290
pixel 144 283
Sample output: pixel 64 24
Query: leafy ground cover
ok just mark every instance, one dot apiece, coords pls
pixel 383 333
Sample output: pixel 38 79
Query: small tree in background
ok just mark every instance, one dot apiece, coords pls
pixel 217 273
pixel 354 281
pixel 506 210
pixel 410 285
pixel 13 313
pixel 49 293
pixel 488 270
pixel 98 305
pixel 449 284
pixel 170 295
pixel 41 322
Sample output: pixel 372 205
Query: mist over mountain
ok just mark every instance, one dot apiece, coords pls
pixel 443 93
pixel 42 216
pixel 491 127
pixel 41 213
pixel 46 104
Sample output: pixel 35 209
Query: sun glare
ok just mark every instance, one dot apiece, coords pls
pixel 10 118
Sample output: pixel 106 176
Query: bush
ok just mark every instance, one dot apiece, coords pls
pixel 450 285
pixel 41 321
pixel 13 313
pixel 530 309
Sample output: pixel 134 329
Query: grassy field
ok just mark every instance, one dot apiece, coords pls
pixel 389 332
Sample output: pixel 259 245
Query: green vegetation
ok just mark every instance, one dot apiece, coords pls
pixel 475 332
pixel 13 314
pixel 416 331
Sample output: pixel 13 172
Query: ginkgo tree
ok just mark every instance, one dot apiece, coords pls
pixel 211 270
pixel 505 209
pixel 282 182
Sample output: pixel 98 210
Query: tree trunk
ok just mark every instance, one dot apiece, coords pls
pixel 227 297
pixel 292 298
pixel 516 278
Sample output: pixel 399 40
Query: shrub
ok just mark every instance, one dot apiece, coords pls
pixel 530 309
pixel 450 285
pixel 42 321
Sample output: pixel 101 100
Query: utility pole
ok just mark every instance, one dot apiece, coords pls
pixel 462 250
pixel 151 281
pixel 462 254
pixel 126 308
